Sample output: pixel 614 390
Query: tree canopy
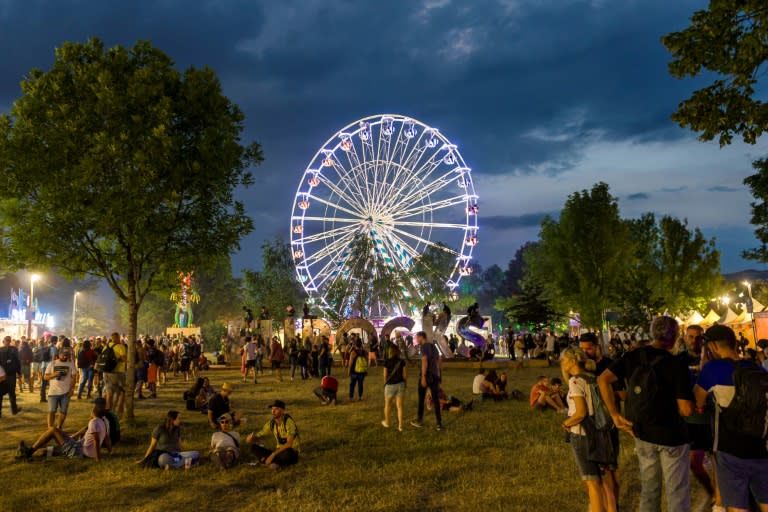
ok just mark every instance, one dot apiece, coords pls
pixel 119 166
pixel 729 39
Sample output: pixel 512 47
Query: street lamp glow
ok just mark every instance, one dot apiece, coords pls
pixel 725 299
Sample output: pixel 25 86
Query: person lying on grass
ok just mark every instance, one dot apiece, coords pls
pixel 86 442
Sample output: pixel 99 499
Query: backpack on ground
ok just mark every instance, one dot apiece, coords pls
pixel 107 360
pixel 642 387
pixel 114 427
pixel 361 362
pixel 747 413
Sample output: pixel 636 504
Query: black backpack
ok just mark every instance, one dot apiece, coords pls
pixel 82 361
pixel 114 427
pixel 747 413
pixel 196 350
pixel 46 354
pixel 107 359
pixel 642 388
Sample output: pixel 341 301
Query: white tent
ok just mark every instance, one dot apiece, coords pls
pixel 694 318
pixel 756 306
pixel 711 318
pixel 728 318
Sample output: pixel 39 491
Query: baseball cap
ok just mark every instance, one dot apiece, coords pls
pixel 277 403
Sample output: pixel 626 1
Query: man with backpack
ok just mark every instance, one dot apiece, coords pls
pixel 739 388
pixel 111 362
pixel 659 395
pixel 47 354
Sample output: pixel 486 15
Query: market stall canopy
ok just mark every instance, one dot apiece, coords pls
pixel 729 318
pixel 711 318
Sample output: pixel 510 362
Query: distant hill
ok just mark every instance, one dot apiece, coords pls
pixel 746 275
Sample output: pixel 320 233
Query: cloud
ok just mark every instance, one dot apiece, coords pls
pixel 674 190
pixel 507 222
pixel 637 196
pixel 723 188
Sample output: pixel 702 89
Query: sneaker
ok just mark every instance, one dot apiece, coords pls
pixel 21 450
pixel 399 429
pixel 384 424
pixel 417 424
pixel 16 411
pixel 274 466
pixel 439 428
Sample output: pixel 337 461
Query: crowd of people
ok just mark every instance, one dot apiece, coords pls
pixel 670 393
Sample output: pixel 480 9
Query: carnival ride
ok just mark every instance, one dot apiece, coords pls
pixel 399 183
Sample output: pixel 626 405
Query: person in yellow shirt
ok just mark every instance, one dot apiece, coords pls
pixel 286 434
pixel 115 380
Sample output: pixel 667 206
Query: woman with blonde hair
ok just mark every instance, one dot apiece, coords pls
pixel 575 365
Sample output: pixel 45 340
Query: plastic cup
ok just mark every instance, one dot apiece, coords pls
pixel 49 451
pixel 187 462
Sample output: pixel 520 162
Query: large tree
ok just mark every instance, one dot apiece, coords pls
pixel 729 39
pixel 583 255
pixel 674 269
pixel 117 165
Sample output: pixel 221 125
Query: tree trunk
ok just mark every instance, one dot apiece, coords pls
pixel 130 373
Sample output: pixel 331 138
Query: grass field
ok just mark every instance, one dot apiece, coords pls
pixel 501 456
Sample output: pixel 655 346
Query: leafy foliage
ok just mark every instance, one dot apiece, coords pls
pixel 275 285
pixel 582 256
pixel 116 165
pixel 730 39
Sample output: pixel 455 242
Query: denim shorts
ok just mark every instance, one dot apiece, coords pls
pixel 394 390
pixel 71 448
pixel 587 469
pixel 60 402
pixel 736 477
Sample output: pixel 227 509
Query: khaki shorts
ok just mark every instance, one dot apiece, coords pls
pixel 115 382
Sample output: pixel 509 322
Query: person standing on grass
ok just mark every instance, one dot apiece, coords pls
pixel 661 436
pixel 395 377
pixel 286 434
pixel 249 354
pixel 358 369
pixel 115 380
pixel 9 360
pixel 741 459
pixel 60 374
pixel 276 356
pixel 575 366
pixel 589 345
pixel 429 378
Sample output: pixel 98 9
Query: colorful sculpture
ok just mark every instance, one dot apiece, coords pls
pixel 184 298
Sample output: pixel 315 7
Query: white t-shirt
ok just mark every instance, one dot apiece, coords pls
pixel 224 441
pixel 60 385
pixel 577 386
pixel 250 351
pixel 550 343
pixel 99 427
pixel 477 384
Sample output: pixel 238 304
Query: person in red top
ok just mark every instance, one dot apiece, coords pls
pixel 327 390
pixel 542 397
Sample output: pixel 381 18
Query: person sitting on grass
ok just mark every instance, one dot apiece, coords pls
pixel 204 395
pixel 326 392
pixel 477 384
pixel 556 389
pixel 86 442
pixel 164 450
pixel 220 404
pixel 490 387
pixel 286 434
pixel 225 445
pixel 542 398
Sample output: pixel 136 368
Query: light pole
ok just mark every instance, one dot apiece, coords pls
pixel 74 311
pixel 750 310
pixel 31 305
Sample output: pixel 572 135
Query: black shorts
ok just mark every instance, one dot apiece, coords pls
pixel 250 363
pixel 701 436
pixel 185 364
pixel 276 364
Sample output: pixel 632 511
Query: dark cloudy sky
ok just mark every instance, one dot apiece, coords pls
pixel 543 97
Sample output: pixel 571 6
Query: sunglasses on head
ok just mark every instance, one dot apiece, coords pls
pixel 224 421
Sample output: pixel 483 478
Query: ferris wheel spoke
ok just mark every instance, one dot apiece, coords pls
pixel 347 177
pixel 342 195
pixel 426 208
pixel 332 250
pixel 332 205
pixel 436 185
pixel 318 237
pixel 414 178
pixel 432 225
pixel 326 272
pixel 422 240
pixel 325 219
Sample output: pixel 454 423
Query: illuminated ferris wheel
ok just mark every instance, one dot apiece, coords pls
pixel 390 178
